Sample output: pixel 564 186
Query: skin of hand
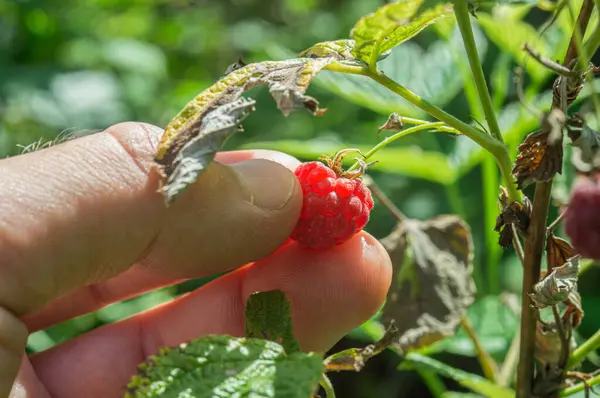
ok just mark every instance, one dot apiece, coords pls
pixel 82 226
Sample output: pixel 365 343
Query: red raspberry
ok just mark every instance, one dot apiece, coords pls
pixel 582 217
pixel 334 208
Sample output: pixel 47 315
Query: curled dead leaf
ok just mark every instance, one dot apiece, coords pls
pixel 198 131
pixel 556 286
pixel 433 285
pixel 558 251
pixel 538 160
pixel 394 122
pixel 513 215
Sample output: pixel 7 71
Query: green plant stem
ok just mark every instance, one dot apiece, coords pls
pixel 392 138
pixel 580 386
pixel 507 371
pixel 434 383
pixel 534 247
pixel 492 145
pixel 591 344
pixel 487 363
pixel 461 12
pixel 327 386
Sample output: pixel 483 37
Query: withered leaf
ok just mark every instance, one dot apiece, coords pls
pixel 558 251
pixel 433 285
pixel 556 286
pixel 587 142
pixel 394 122
pixel 195 155
pixel 340 50
pixel 537 160
pixel 354 359
pixel 513 215
pixel 548 343
pixel 574 311
pixel 287 80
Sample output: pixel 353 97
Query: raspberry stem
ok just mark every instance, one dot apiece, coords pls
pixel 392 138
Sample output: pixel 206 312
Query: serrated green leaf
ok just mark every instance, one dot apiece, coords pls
pixel 223 366
pixel 268 316
pixel 432 73
pixel 469 380
pixel 408 161
pixel 392 25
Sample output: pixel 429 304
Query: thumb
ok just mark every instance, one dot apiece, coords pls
pixel 235 214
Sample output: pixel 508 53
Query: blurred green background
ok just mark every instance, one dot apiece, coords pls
pixel 82 65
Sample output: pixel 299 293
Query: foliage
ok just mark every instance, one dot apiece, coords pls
pixel 84 65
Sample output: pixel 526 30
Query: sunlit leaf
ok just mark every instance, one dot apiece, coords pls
pixel 200 129
pixel 223 366
pixel 392 25
pixel 433 285
pixel 471 381
pixel 408 161
pixel 354 359
pixel 556 286
pixel 268 316
pixel 340 50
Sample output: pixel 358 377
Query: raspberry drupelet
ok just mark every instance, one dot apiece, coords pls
pixel 335 205
pixel 582 217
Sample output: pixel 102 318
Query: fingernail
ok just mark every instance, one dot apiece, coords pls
pixel 270 185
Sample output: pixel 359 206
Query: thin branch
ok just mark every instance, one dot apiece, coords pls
pixel 580 387
pixel 518 247
pixel 550 229
pixel 534 244
pixel 327 386
pixel 488 365
pixel 591 344
pixel 582 22
pixel 383 198
pixel 534 247
pixel 461 12
pixel 548 63
pixel 507 371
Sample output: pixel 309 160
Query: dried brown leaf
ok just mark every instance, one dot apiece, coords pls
pixel 537 160
pixel 198 131
pixel 513 215
pixel 556 286
pixel 394 122
pixel 574 311
pixel 558 251
pixel 433 285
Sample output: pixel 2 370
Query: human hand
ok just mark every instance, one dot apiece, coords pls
pixel 82 226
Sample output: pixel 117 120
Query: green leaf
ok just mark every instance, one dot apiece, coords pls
pixel 433 73
pixel 494 324
pixel 469 380
pixel 223 366
pixel 408 161
pixel 392 25
pixel 268 316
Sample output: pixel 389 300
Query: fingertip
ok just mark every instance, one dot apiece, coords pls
pixel 284 159
pixel 331 291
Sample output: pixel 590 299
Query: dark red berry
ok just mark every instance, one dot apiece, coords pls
pixel 334 208
pixel 582 217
